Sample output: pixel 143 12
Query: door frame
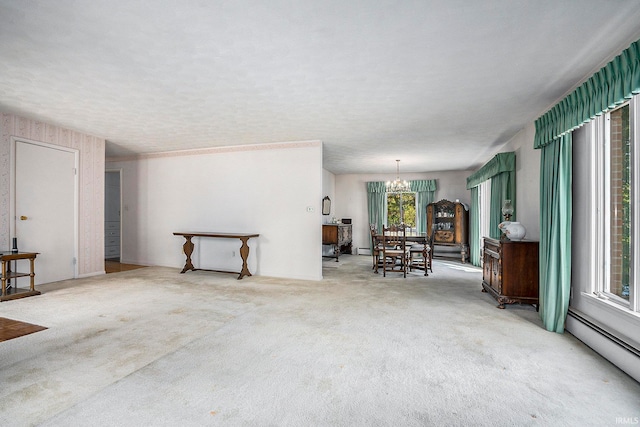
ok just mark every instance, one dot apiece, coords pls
pixel 12 189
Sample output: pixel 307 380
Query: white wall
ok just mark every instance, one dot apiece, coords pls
pixel 267 189
pixel 351 196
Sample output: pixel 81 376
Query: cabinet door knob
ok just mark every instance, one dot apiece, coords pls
pixel 23 218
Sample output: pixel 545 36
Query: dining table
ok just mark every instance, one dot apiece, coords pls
pixel 413 237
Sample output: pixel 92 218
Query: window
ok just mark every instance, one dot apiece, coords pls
pixel 406 201
pixel 616 195
pixel 619 208
pixel 484 195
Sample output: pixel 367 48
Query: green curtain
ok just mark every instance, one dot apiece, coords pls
pixel 474 228
pixel 377 192
pixel 501 170
pixel 555 232
pixel 501 162
pixel 611 86
pixel 616 82
pixel 425 191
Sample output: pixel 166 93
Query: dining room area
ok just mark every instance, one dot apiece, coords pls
pixel 401 223
pixel 398 249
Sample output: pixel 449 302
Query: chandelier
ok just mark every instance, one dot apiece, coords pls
pixel 397 186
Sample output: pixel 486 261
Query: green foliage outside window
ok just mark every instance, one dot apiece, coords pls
pixel 408 208
pixel 626 202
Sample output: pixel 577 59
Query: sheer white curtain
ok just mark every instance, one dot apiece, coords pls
pixel 484 194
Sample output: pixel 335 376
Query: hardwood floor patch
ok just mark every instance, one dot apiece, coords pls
pixel 10 329
pixel 116 267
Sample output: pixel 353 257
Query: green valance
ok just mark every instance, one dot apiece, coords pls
pixel 376 187
pixel 616 82
pixel 501 162
pixel 417 186
pixel 423 185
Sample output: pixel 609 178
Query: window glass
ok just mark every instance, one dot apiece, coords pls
pixel 484 194
pixel 619 168
pixel 406 201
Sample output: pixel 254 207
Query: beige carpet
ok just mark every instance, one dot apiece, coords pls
pixel 153 347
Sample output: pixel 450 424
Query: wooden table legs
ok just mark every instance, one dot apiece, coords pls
pixel 244 253
pixel 4 278
pixel 188 250
pixel 32 275
pixel 244 250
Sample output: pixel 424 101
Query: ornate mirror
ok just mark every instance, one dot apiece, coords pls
pixel 326 206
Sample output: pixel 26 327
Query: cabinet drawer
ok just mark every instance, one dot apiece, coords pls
pixel 445 236
pixel 111 251
pixel 112 241
pixel 112 226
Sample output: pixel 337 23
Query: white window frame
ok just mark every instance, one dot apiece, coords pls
pixel 634 277
pixel 484 194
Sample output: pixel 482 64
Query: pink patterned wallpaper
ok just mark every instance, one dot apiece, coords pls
pixel 91 184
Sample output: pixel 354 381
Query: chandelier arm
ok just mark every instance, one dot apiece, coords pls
pixel 398 186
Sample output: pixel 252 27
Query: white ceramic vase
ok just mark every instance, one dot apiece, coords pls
pixel 514 231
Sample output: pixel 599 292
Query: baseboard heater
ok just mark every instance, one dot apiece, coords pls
pixel 611 335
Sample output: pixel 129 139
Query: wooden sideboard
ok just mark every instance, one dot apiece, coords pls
pixel 449 222
pixel 510 271
pixel 339 236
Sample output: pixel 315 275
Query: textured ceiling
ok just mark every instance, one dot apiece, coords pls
pixel 441 85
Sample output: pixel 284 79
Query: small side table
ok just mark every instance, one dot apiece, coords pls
pixel 13 292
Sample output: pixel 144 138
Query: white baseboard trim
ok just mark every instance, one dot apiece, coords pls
pixel 95 273
pixel 623 354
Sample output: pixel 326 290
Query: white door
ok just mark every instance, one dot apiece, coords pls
pixel 45 208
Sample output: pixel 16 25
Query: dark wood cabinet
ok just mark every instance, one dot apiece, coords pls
pixel 339 236
pixel 449 222
pixel 510 271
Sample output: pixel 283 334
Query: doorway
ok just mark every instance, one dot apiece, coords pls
pixel 113 224
pixel 112 218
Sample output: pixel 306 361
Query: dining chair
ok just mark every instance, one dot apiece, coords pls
pixel 395 253
pixel 421 255
pixel 430 242
pixel 376 247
